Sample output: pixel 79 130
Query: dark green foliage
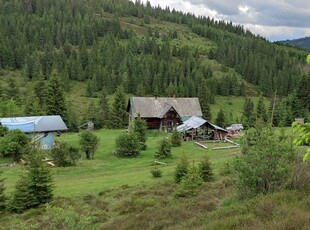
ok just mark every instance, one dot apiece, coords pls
pixel 119 117
pixel 176 139
pixel 164 149
pixel 261 110
pixel 3 198
pixel 3 130
pixel 205 169
pixel 34 186
pixel 181 169
pixel 64 155
pixel 156 172
pixel 54 98
pixel 14 144
pixel 220 119
pixel 190 183
pixel 303 92
pixel 264 165
pixel 89 143
pixel 139 128
pixel 127 145
pixel 248 116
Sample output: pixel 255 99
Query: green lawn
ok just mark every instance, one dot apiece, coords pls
pixel 107 171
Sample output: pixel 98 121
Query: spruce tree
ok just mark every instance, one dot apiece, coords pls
pixel 220 119
pixel 140 127
pixel 248 117
pixel 34 186
pixel 54 98
pixel 119 117
pixel 261 110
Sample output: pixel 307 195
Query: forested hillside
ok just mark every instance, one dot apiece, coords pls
pixel 300 42
pixel 146 50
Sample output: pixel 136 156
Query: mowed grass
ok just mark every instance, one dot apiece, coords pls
pixel 107 171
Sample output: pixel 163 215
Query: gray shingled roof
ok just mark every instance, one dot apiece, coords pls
pixel 35 123
pixel 154 106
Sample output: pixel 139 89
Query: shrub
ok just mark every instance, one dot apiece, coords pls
pixel 264 165
pixel 156 172
pixel 164 149
pixel 205 169
pixel 190 183
pixel 14 144
pixel 176 139
pixel 89 143
pixel 181 169
pixel 127 145
pixel 69 219
pixel 65 155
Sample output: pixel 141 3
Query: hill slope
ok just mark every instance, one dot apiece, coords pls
pixel 300 42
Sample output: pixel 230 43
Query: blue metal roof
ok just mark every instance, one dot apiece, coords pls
pixel 35 123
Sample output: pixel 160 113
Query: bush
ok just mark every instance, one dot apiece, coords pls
pixel 265 163
pixel 190 183
pixel 164 149
pixel 65 155
pixel 69 219
pixel 156 172
pixel 89 143
pixel 205 169
pixel 14 144
pixel 176 139
pixel 181 169
pixel 127 145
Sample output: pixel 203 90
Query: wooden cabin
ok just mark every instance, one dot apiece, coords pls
pixel 163 113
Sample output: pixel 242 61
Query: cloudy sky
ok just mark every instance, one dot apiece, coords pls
pixel 272 19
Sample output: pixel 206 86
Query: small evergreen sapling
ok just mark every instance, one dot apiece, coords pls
pixel 176 139
pixel 205 169
pixel 127 145
pixel 181 169
pixel 190 183
pixel 164 149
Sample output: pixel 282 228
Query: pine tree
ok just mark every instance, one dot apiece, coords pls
pixel 119 114
pixel 220 119
pixel 54 98
pixel 140 127
pixel 34 186
pixel 248 116
pixel 261 110
pixel 181 169
pixel 176 139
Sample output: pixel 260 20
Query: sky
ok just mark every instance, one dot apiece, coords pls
pixel 272 19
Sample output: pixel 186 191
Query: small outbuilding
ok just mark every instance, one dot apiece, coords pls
pixel 198 128
pixel 163 113
pixel 39 128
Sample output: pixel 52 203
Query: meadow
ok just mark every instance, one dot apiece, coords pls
pixel 109 192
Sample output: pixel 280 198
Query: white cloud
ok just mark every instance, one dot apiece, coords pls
pixel 283 19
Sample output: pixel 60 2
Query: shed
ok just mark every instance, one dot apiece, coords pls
pixel 163 112
pixel 39 128
pixel 199 128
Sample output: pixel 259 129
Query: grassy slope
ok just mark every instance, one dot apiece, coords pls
pixel 108 171
pixel 121 194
